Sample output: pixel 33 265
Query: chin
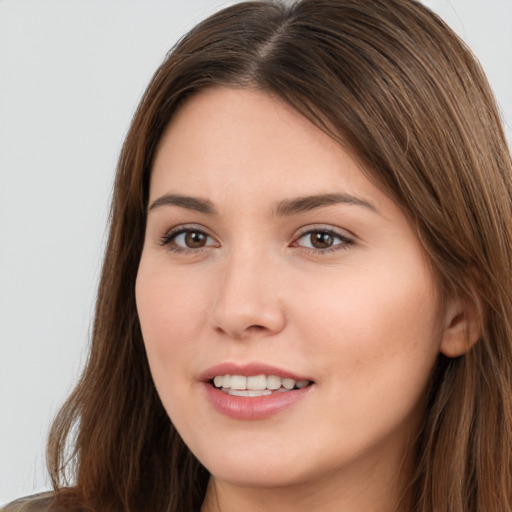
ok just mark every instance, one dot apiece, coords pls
pixel 246 469
pixel 265 477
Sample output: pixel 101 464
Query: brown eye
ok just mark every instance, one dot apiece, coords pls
pixel 195 239
pixel 188 239
pixel 321 240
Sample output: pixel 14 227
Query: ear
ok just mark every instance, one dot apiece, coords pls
pixel 462 326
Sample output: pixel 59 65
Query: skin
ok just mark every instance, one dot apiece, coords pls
pixel 359 317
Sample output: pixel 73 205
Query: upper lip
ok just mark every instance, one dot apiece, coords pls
pixel 248 370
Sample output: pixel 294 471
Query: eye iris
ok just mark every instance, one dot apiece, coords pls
pixel 321 240
pixel 193 239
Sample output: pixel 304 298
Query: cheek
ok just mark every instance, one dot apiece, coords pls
pixel 171 319
pixel 169 305
pixel 377 327
pixel 372 342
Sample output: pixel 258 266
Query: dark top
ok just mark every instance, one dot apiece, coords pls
pixel 35 503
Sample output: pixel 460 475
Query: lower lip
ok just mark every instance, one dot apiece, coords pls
pixel 253 408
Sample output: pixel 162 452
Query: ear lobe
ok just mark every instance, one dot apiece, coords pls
pixel 462 327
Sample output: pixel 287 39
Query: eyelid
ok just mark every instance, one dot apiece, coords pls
pixel 346 238
pixel 171 234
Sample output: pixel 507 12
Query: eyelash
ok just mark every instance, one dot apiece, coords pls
pixel 344 241
pixel 169 240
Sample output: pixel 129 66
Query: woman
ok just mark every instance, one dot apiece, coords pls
pixel 305 299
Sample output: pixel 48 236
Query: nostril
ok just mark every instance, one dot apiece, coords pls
pixel 245 319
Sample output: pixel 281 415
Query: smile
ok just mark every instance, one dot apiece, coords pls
pixel 257 385
pixel 253 390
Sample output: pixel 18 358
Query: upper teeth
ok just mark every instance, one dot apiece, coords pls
pixel 257 382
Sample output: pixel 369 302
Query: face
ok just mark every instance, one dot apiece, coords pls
pixel 288 312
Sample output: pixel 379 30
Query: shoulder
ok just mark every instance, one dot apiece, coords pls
pixel 37 503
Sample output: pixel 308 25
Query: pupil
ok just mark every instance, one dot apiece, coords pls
pixel 194 239
pixel 321 240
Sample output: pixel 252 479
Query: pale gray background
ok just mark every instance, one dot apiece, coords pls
pixel 71 74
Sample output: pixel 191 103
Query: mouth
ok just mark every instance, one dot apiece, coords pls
pixel 256 385
pixel 254 391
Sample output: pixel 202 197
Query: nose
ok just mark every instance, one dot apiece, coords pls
pixel 249 302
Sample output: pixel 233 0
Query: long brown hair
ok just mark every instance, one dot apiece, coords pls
pixel 389 80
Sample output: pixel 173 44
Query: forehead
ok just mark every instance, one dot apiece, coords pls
pixel 230 137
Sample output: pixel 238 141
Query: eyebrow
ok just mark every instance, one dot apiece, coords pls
pixel 187 202
pixel 283 208
pixel 305 204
